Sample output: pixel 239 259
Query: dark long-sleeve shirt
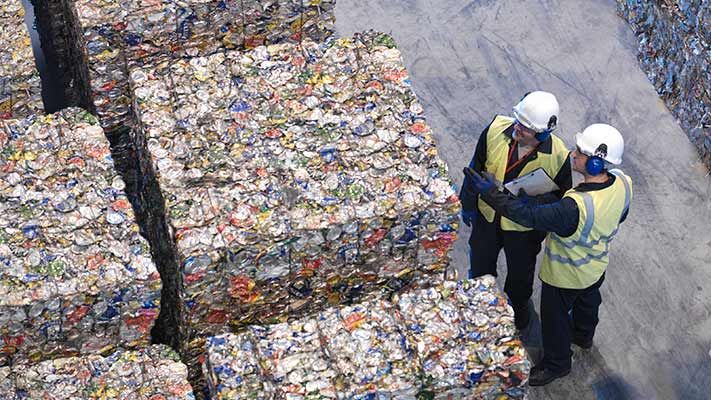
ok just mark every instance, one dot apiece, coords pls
pixel 563 179
pixel 561 217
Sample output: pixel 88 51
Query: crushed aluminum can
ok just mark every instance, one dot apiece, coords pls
pixel 8 387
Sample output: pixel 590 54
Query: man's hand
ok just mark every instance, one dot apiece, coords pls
pixel 480 184
pixel 468 217
pixel 523 196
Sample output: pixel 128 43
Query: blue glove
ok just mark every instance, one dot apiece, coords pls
pixel 524 197
pixel 468 217
pixel 480 184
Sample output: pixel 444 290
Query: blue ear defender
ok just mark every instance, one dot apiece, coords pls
pixel 543 136
pixel 594 165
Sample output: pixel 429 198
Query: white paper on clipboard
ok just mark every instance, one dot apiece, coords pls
pixel 534 183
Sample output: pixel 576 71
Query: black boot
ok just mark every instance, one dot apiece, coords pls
pixel 536 368
pixel 542 376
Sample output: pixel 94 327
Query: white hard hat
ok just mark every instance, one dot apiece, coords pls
pixel 601 140
pixel 538 111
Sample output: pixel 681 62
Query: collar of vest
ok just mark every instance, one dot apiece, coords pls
pixel 544 147
pixel 589 187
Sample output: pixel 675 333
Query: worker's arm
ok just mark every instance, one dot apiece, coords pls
pixel 560 217
pixel 467 198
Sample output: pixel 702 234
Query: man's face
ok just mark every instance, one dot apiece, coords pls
pixel 579 160
pixel 524 135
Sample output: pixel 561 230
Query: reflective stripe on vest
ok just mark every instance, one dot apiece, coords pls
pixel 578 261
pixel 590 211
pixel 497 151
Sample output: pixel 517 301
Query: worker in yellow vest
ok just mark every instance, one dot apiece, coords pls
pixel 509 148
pixel 580 227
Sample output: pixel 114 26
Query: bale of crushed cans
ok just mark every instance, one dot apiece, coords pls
pixel 675 52
pixel 152 373
pixel 295 177
pixel 20 85
pixel 463 333
pixel 452 341
pixel 76 275
pixel 368 346
pixel 112 36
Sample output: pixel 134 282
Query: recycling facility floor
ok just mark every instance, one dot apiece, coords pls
pixel 470 60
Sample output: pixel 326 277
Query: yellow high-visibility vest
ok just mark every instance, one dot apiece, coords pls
pixel 578 261
pixel 497 151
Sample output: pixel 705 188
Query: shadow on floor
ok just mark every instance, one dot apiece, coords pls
pixel 614 387
pixel 590 377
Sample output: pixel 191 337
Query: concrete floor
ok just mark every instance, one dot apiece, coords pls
pixel 470 60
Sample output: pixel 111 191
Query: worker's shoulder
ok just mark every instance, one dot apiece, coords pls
pixel 558 147
pixel 618 172
pixel 625 179
pixel 503 119
pixel 557 141
pixel 500 122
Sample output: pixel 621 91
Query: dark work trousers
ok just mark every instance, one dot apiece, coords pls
pixel 567 315
pixel 520 248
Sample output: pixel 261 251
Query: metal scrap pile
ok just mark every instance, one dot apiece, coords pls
pixel 675 52
pixel 76 276
pixel 121 34
pixel 454 340
pixel 152 373
pixel 20 86
pixel 295 176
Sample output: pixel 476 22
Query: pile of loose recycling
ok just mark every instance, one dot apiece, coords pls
pixel 295 176
pixel 675 43
pixel 20 86
pixel 454 340
pixel 76 276
pixel 153 373
pixel 117 35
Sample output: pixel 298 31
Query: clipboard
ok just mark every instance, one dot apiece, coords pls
pixel 534 183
